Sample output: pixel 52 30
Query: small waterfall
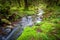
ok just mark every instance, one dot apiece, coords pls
pixel 25 21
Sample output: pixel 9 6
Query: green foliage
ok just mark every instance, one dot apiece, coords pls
pixel 6 21
pixel 28 34
pixel 48 29
pixel 41 32
pixel 51 3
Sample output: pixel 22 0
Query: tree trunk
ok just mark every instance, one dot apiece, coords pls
pixel 26 4
pixel 19 2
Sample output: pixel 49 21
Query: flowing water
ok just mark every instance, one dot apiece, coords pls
pixel 25 21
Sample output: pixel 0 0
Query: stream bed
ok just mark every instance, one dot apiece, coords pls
pixel 18 29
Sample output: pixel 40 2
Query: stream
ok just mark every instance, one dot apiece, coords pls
pixel 25 21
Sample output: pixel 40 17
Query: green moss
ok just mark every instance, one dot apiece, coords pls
pixel 28 34
pixel 38 32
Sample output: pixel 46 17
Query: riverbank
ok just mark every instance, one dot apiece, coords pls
pixel 19 25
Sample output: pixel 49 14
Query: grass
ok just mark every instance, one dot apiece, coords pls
pixel 45 31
